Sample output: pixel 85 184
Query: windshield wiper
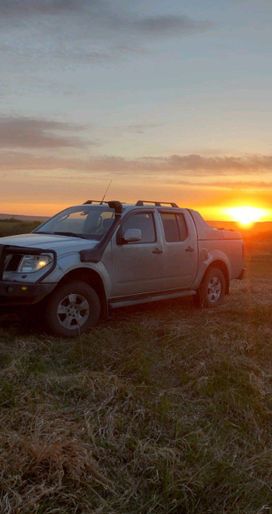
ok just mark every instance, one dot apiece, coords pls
pixel 72 234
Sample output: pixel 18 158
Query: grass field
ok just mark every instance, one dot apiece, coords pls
pixel 161 409
pixel 13 226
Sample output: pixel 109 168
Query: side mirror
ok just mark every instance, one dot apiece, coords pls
pixel 132 235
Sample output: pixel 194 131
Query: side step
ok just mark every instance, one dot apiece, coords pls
pixel 126 301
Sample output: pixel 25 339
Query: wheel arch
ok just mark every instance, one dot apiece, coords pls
pixel 93 279
pixel 223 267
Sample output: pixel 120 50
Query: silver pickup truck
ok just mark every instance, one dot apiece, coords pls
pixel 101 255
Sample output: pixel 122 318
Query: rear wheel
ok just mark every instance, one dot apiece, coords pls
pixel 213 288
pixel 72 309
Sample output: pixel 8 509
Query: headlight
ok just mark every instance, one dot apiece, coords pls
pixel 32 263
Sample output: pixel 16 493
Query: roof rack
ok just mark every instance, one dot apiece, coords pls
pixel 113 204
pixel 100 202
pixel 141 203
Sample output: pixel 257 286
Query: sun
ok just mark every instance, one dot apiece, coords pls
pixel 246 215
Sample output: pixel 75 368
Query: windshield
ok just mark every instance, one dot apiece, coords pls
pixel 87 221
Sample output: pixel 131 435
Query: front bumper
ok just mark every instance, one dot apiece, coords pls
pixel 19 293
pixel 23 293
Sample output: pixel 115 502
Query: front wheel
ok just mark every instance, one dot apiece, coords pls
pixel 72 309
pixel 213 288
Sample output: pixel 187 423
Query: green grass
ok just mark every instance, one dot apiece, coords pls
pixel 162 409
pixel 13 226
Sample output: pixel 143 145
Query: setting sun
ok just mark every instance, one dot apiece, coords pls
pixel 246 215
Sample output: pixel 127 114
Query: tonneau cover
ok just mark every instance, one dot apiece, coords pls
pixel 207 232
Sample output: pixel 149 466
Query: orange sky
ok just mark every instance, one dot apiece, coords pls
pixel 49 193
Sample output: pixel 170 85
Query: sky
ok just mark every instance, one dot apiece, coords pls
pixel 167 100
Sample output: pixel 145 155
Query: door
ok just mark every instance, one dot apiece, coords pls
pixel 137 265
pixel 180 249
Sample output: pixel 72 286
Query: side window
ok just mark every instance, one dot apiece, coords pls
pixel 174 225
pixel 170 226
pixel 143 221
pixel 183 231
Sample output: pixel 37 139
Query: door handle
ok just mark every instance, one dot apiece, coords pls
pixel 189 249
pixel 157 250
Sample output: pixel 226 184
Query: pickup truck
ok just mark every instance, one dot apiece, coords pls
pixel 97 256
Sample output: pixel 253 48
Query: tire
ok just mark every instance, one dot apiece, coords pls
pixel 213 289
pixel 72 309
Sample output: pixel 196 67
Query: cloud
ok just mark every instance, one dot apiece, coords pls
pixel 106 15
pixel 97 55
pixel 217 164
pixel 183 164
pixel 36 133
pixel 76 32
pixel 227 184
pixel 175 166
pixel 170 25
pixel 138 128
pixel 15 8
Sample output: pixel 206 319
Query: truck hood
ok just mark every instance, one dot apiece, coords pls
pixel 60 244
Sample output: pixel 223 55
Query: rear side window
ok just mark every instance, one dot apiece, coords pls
pixel 143 221
pixel 175 228
pixel 183 231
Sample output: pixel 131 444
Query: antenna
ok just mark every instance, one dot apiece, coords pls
pixel 107 188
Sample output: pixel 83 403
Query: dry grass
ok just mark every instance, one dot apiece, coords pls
pixel 162 409
pixel 13 226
